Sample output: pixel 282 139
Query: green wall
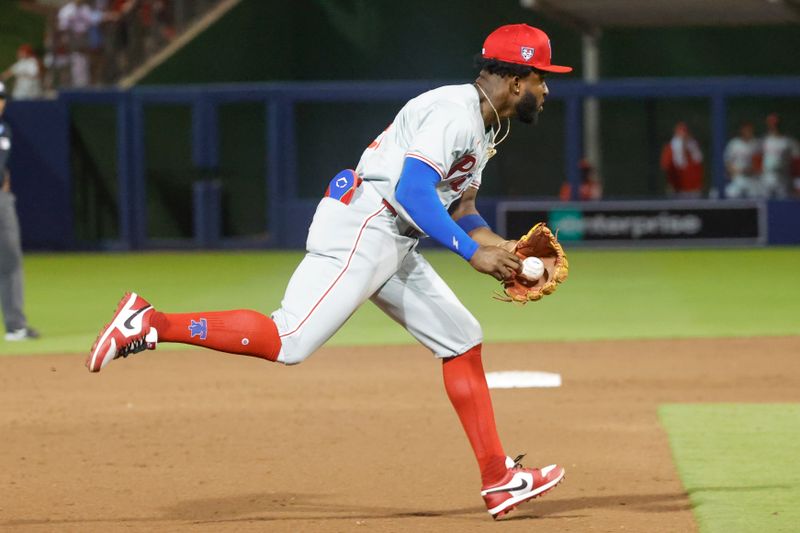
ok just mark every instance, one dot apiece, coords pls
pixel 18 26
pixel 170 172
pixel 357 39
pixel 701 51
pixel 263 40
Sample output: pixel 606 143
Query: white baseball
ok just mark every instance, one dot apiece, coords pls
pixel 532 268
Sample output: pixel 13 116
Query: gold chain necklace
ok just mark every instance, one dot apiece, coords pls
pixel 492 150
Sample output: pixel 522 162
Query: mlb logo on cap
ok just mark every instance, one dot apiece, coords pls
pixel 523 45
pixel 527 53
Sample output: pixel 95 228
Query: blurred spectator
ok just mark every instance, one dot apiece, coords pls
pixel 116 39
pixel 90 42
pixel 156 27
pixel 590 188
pixel 27 74
pixel 56 57
pixel 76 19
pixel 781 159
pixel 141 29
pixel 97 57
pixel 742 161
pixel 682 161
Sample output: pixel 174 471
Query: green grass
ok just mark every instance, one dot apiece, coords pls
pixel 739 464
pixel 609 295
pixel 18 26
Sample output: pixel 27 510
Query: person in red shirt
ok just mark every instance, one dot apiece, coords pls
pixel 590 187
pixel 682 162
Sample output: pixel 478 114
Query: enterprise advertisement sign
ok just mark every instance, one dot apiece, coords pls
pixel 654 222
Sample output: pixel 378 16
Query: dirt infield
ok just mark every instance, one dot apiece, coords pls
pixel 357 439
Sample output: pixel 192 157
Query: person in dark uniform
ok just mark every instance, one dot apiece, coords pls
pixel 11 296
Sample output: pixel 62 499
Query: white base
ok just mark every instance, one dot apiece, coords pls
pixel 516 379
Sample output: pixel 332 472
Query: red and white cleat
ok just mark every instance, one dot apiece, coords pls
pixel 128 332
pixel 520 485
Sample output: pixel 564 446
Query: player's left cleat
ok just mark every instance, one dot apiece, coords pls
pixel 520 485
pixel 128 332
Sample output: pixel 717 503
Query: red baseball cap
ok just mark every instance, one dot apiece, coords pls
pixel 522 45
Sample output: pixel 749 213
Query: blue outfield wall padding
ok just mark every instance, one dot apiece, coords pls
pixel 783 221
pixel 207 215
pixel 40 173
pixel 41 158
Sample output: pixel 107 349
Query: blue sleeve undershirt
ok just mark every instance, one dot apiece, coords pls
pixel 471 222
pixel 416 192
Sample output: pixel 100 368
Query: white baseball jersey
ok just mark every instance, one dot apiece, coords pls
pixel 444 128
pixel 26 79
pixel 740 155
pixel 739 158
pixel 778 153
pixel 779 150
pixel 358 250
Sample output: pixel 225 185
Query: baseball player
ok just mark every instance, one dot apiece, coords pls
pixel 11 279
pixel 26 73
pixel 741 155
pixel 781 154
pixel 362 245
pixel 682 162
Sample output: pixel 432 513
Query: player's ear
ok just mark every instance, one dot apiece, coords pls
pixel 514 85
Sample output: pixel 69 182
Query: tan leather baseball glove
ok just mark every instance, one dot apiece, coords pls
pixel 542 243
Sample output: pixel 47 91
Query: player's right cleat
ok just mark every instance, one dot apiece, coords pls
pixel 128 332
pixel 24 334
pixel 519 485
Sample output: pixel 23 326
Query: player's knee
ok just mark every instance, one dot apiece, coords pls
pixel 291 356
pixel 469 336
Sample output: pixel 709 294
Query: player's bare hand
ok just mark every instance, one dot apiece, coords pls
pixel 496 262
pixel 509 245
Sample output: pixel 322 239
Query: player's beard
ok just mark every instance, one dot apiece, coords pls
pixel 528 108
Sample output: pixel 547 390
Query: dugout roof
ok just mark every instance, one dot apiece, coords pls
pixel 593 15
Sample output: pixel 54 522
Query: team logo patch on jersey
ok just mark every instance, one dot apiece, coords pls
pixel 460 172
pixel 527 52
pixel 343 186
pixel 199 329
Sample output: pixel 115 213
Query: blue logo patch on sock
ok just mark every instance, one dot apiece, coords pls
pixel 199 329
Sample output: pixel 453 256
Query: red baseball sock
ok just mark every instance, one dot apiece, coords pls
pixel 241 332
pixel 465 383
